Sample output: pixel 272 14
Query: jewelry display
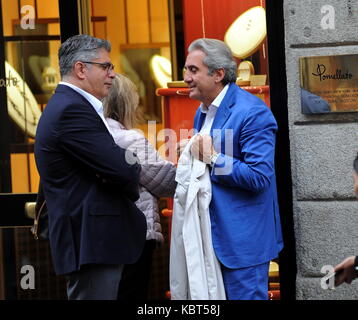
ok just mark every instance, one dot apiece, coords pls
pixel 22 105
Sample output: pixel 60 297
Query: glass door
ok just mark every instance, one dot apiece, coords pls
pixel 30 73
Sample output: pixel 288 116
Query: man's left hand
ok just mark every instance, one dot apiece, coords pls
pixel 202 148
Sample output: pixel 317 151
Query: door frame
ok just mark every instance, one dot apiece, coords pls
pixel 279 108
pixel 14 204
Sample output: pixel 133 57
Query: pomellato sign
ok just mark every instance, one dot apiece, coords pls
pixel 338 75
pixel 329 84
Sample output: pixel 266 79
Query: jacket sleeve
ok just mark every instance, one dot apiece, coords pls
pixel 253 166
pixel 157 174
pixel 83 135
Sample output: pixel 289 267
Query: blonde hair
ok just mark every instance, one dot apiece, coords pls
pixel 122 102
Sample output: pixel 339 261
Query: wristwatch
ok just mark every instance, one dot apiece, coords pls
pixel 213 158
pixel 356 266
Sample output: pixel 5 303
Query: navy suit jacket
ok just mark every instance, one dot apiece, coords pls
pixel 245 220
pixel 89 187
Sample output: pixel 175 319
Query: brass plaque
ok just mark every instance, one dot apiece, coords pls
pixel 329 84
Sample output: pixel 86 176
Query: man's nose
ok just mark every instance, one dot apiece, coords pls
pixel 187 77
pixel 112 74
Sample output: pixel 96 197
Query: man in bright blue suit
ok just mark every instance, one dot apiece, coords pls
pixel 237 140
pixel 90 188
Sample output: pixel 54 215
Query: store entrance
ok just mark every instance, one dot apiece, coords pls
pixel 30 38
pixel 138 31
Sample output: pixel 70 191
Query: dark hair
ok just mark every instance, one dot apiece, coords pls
pixel 77 48
pixel 355 164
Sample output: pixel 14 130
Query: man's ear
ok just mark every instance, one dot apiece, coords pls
pixel 219 75
pixel 79 69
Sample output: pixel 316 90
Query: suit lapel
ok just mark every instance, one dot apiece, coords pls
pixel 200 120
pixel 223 113
pixel 224 110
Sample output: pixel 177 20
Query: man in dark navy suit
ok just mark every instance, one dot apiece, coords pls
pixel 90 188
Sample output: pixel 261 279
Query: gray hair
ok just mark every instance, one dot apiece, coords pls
pixel 80 47
pixel 218 56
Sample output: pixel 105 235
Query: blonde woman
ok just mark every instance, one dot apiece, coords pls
pixel 157 180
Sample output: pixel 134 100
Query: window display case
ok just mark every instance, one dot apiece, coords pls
pixel 32 74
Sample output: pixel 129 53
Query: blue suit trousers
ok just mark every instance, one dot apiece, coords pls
pixel 246 283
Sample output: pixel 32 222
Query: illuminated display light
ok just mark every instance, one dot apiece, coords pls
pixel 247 32
pixel 161 69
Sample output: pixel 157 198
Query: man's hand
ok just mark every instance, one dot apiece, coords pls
pixel 348 271
pixel 202 148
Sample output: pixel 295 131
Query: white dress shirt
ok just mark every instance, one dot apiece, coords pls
pixel 94 102
pixel 211 111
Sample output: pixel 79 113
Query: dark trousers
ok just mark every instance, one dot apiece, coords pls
pixel 134 284
pixel 94 282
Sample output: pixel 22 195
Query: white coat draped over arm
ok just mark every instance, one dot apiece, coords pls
pixel 194 270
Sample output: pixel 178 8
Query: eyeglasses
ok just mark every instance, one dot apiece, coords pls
pixel 105 65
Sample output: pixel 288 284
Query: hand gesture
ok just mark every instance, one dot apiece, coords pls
pixel 202 148
pixel 345 271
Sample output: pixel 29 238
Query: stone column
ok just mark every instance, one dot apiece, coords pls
pixel 323 147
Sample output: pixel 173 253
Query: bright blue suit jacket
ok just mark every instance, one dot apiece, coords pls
pixel 89 187
pixel 244 213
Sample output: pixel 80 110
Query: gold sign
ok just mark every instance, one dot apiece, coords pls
pixel 329 84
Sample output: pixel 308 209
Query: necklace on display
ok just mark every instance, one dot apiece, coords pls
pixel 20 100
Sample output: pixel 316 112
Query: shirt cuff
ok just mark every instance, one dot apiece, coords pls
pixel 213 159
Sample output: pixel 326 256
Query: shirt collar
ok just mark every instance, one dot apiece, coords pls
pixel 96 103
pixel 217 101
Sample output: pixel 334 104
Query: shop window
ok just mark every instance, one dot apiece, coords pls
pixel 32 39
pixel 138 31
pixel 31 31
